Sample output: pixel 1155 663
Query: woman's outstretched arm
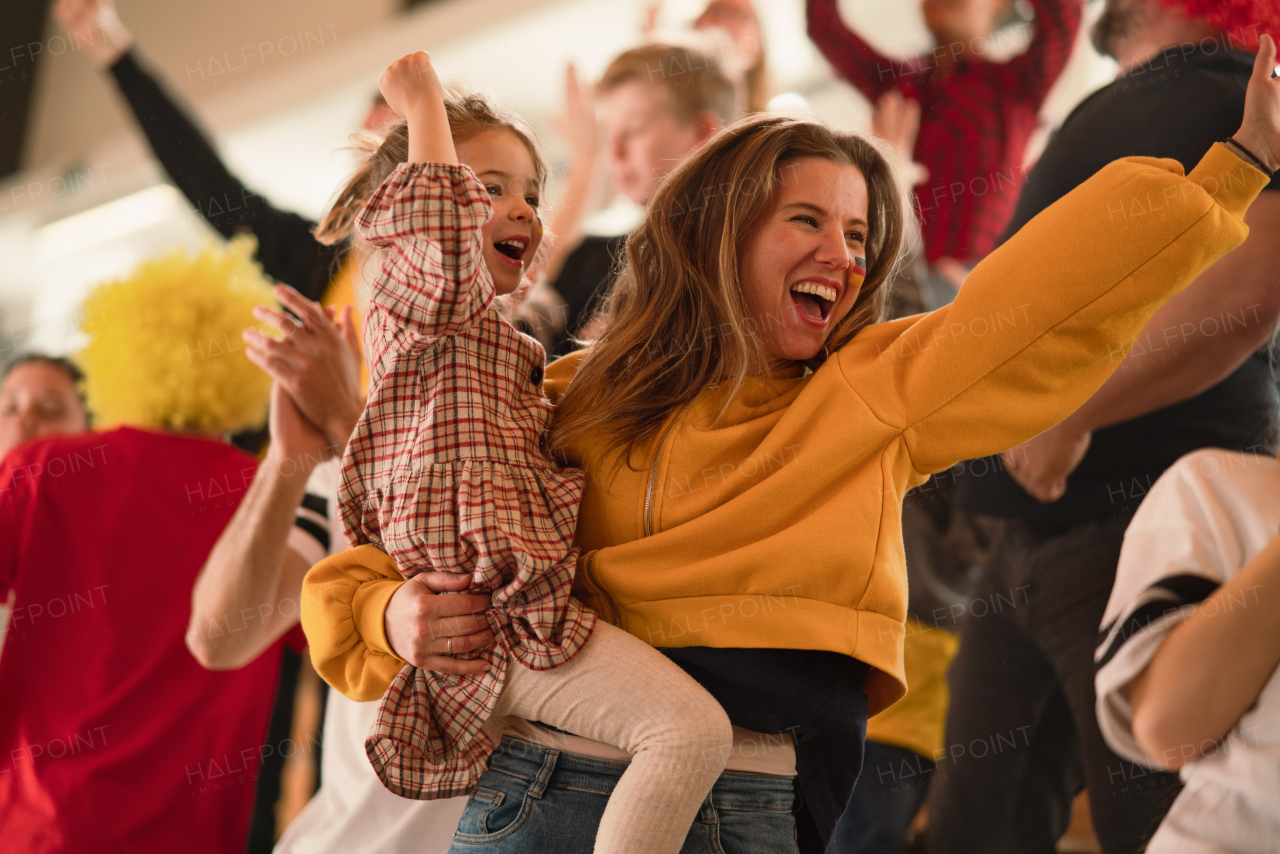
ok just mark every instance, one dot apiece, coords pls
pixel 1044 320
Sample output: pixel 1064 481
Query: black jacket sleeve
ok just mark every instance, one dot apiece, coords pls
pixel 287 249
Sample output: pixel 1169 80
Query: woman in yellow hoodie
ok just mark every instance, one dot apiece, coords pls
pixel 749 429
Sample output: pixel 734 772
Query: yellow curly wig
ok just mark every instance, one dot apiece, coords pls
pixel 164 345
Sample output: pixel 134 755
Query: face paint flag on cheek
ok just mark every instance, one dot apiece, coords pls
pixel 857 275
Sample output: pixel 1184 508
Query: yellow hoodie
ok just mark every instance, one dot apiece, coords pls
pixel 779 525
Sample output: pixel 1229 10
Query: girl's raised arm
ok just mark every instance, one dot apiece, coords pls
pixel 427 217
pixel 413 90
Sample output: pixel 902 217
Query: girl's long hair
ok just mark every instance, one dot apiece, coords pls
pixel 676 321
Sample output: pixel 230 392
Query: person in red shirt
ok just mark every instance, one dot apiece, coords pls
pixel 112 737
pixel 39 395
pixel 976 114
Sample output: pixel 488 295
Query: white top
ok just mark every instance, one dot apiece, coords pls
pixel 1203 520
pixel 353 813
pixel 317 531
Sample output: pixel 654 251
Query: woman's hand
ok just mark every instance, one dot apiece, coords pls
pixel 317 361
pixel 1260 130
pixel 95 29
pixel 427 623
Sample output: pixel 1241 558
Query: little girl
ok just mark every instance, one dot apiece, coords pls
pixel 446 471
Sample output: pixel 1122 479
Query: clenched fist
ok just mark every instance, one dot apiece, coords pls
pixel 410 84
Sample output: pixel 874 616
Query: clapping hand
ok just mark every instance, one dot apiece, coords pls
pixel 316 364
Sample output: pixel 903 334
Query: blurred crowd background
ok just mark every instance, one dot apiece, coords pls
pixel 280 86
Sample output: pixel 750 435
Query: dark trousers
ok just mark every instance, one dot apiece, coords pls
pixel 1022 735
pixel 885 801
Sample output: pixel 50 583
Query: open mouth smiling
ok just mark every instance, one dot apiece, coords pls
pixel 513 248
pixel 814 299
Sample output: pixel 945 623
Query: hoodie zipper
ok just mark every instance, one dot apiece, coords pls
pixel 653 471
pixel 614 611
pixel 613 606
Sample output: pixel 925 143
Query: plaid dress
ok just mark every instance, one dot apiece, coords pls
pixel 445 471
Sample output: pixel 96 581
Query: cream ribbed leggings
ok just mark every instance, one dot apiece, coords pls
pixel 622 691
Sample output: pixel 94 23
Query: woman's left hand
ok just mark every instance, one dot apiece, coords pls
pixel 1260 130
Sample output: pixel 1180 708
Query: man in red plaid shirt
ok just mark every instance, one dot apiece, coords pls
pixel 976 114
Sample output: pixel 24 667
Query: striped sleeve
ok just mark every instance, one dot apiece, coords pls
pixel 311 537
pixel 1173 559
pixel 317 530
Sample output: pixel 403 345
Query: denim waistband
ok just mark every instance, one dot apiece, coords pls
pixel 550 767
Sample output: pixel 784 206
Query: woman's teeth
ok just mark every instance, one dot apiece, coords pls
pixel 825 292
pixel 814 300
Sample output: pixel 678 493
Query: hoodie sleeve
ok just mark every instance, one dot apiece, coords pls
pixel 1044 320
pixel 344 598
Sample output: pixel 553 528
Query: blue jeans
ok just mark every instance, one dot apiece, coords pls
pixel 534 799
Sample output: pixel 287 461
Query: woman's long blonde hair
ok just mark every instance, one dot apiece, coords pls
pixel 677 321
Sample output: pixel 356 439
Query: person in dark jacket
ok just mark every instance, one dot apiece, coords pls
pixel 287 249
